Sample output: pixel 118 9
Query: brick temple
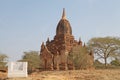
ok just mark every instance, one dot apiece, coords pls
pixel 54 52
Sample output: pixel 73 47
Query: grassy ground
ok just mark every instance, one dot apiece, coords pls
pixel 74 75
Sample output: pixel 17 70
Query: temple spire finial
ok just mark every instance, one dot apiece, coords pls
pixel 63 15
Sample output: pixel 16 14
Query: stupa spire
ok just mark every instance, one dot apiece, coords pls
pixel 63 15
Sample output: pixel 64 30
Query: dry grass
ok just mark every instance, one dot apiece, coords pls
pixel 74 75
pixel 2 75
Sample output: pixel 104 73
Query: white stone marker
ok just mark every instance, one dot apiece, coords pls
pixel 17 69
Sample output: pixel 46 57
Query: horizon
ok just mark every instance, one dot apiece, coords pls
pixel 24 25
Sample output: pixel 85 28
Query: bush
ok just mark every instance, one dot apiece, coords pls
pixel 3 61
pixel 115 62
pixel 81 58
pixel 33 59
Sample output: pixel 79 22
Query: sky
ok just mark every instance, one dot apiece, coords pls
pixel 25 24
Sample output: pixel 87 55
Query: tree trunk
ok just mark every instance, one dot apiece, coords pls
pixel 105 62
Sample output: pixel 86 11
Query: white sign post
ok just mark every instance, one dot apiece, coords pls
pixel 17 69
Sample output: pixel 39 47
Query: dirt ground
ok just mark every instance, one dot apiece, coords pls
pixel 71 75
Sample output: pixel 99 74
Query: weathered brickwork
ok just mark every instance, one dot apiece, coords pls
pixel 54 52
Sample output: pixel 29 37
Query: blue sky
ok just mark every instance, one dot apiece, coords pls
pixel 25 24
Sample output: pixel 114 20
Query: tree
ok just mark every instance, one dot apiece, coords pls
pixel 33 59
pixel 3 61
pixel 115 62
pixel 81 57
pixel 105 47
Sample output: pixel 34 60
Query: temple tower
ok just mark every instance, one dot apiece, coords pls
pixel 63 38
pixel 55 52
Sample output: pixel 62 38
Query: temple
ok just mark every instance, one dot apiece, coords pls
pixel 54 52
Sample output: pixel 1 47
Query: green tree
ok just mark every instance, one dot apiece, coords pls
pixel 33 59
pixel 81 57
pixel 3 61
pixel 115 62
pixel 105 47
